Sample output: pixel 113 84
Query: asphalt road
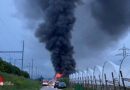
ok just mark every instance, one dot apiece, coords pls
pixel 49 88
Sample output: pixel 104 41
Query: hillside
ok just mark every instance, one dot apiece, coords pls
pixel 20 83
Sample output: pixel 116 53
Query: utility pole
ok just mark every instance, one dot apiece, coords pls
pixel 124 54
pixel 23 55
pixel 29 68
pixel 36 72
pixel 32 68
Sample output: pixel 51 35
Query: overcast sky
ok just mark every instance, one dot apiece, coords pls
pixel 13 30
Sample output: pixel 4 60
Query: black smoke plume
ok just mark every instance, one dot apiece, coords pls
pixel 113 16
pixel 55 31
pixel 57 18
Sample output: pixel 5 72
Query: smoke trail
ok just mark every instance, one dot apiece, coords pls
pixel 56 33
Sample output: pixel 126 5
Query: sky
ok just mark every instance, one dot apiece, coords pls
pixel 13 33
pixel 14 30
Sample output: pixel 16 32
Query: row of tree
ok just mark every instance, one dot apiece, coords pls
pixel 9 68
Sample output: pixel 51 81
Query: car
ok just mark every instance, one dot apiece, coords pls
pixel 56 84
pixel 52 83
pixel 45 83
pixel 61 85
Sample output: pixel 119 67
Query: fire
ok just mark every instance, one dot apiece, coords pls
pixel 58 75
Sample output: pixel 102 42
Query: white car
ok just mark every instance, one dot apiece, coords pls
pixel 1 84
pixel 45 83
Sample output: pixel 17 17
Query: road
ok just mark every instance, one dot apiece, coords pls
pixel 49 88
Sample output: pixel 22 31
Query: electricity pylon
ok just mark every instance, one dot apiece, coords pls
pixel 124 54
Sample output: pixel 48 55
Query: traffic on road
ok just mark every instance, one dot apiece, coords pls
pixel 52 85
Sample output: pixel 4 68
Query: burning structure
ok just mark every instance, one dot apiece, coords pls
pixel 58 75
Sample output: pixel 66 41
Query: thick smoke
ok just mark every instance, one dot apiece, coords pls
pixel 113 16
pixel 56 33
pixel 55 30
pixel 57 18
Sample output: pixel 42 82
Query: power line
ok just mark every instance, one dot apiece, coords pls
pixel 11 51
pixel 21 52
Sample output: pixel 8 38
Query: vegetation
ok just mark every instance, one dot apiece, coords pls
pixel 20 83
pixel 66 80
pixel 9 68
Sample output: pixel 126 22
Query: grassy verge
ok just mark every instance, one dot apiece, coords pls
pixel 20 83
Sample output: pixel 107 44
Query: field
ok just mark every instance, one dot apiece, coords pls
pixel 19 83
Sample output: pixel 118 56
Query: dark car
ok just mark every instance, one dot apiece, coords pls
pixel 61 85
pixel 56 84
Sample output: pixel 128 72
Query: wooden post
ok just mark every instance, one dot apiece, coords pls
pixel 113 81
pixel 95 83
pixel 88 81
pixel 106 81
pixel 91 82
pixel 77 80
pixel 85 87
pixel 100 82
pixel 122 80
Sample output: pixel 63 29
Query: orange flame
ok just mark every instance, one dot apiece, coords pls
pixel 58 75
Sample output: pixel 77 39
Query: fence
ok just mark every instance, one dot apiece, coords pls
pixel 95 83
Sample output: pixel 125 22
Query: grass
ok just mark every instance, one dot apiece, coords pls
pixel 20 83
